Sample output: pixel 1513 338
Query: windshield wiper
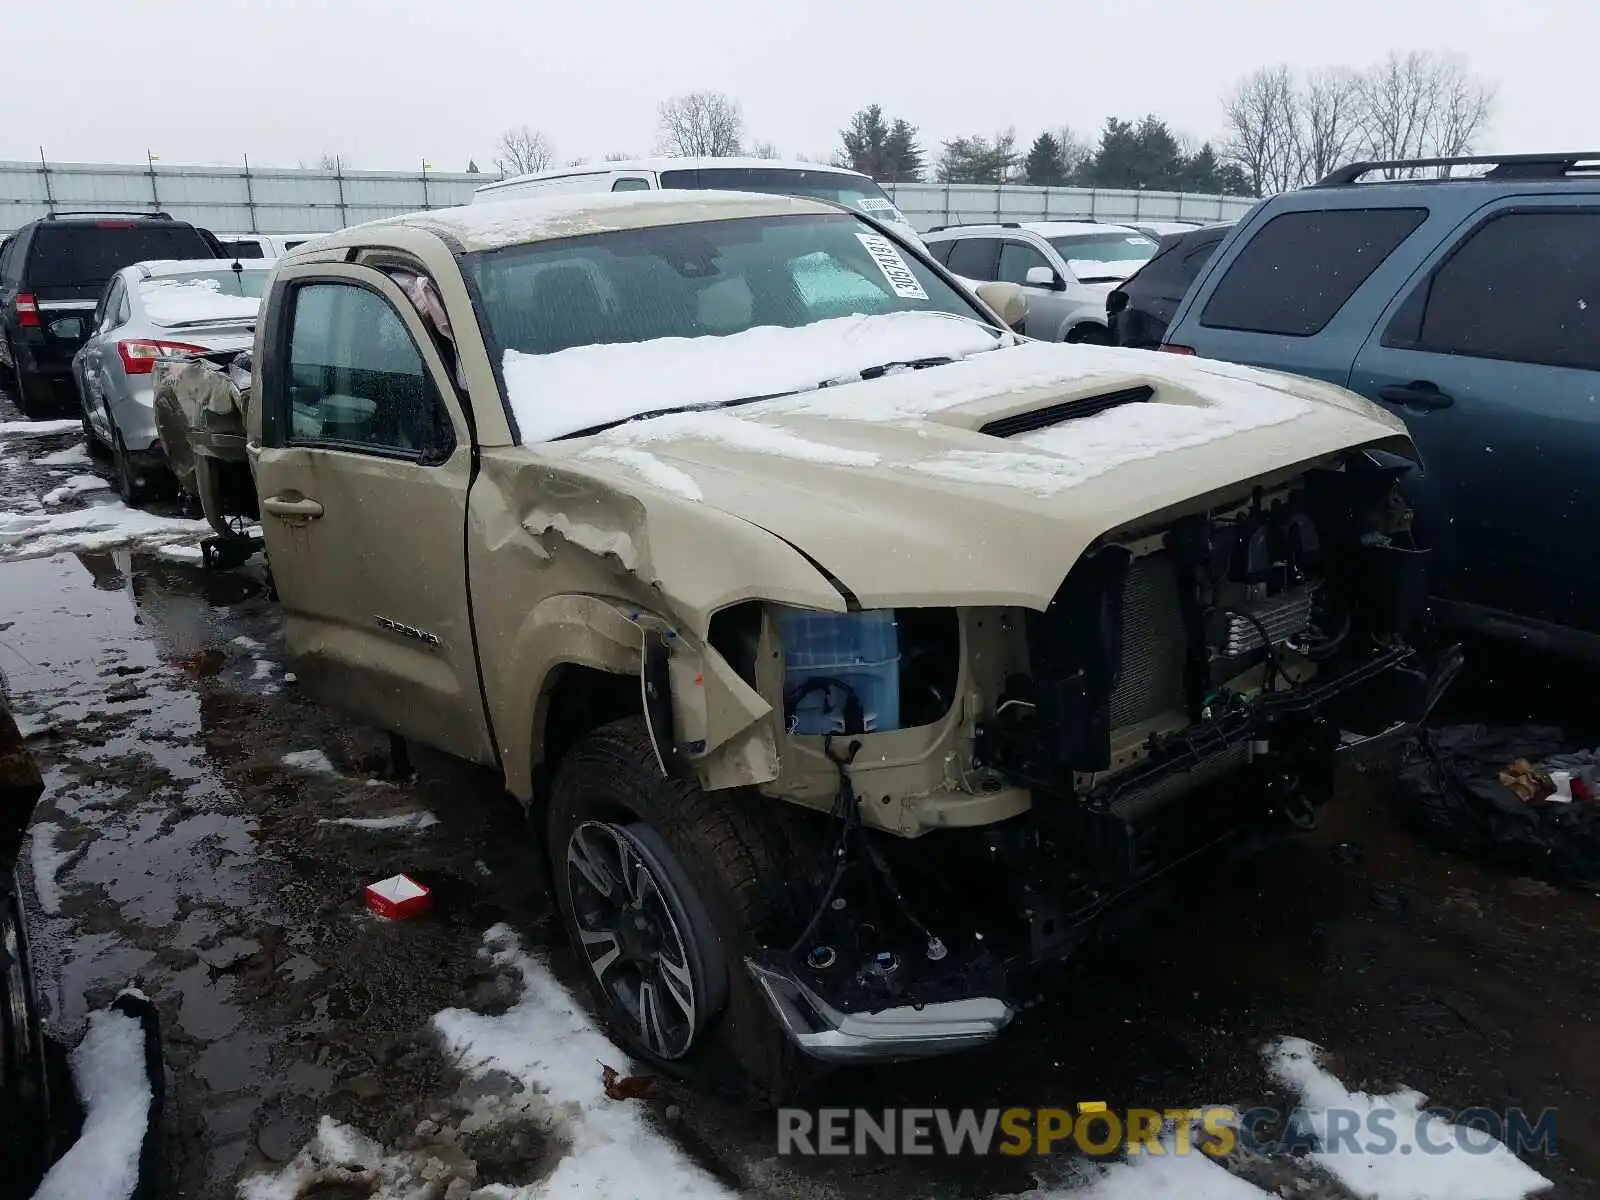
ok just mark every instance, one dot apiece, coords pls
pixel 874 372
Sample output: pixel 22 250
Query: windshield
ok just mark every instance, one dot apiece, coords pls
pixel 706 278
pixel 1103 257
pixel 252 283
pixel 855 191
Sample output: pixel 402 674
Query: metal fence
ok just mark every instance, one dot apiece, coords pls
pixel 280 200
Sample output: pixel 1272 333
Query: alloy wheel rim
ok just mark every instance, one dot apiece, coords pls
pixel 632 936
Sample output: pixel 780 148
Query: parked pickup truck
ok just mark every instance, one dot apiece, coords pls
pixel 851 653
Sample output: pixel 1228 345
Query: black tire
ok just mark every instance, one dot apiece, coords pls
pixel 1090 335
pixel 34 396
pixel 24 1069
pixel 129 483
pixel 721 864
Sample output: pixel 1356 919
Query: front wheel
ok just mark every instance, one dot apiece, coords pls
pixel 663 890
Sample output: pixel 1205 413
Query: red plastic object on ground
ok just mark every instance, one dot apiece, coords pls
pixel 398 897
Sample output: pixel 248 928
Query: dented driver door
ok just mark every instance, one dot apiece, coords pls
pixel 362 462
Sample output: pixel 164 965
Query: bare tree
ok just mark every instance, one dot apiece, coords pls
pixel 522 151
pixel 617 156
pixel 1422 105
pixel 1263 118
pixel 1331 124
pixel 701 125
pixel 1075 152
pixel 763 150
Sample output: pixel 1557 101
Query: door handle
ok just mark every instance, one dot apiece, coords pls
pixel 282 506
pixel 1419 394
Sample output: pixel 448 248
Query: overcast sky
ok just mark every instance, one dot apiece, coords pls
pixel 389 83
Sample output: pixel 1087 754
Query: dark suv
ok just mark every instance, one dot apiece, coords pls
pixel 1138 310
pixel 1469 305
pixel 52 272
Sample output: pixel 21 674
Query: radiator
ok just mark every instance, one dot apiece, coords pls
pixel 1154 643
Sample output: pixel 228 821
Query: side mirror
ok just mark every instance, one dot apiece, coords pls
pixel 1008 300
pixel 1044 277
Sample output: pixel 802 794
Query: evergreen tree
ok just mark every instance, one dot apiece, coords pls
pixel 1046 165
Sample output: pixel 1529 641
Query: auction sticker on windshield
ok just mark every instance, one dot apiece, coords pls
pixel 899 277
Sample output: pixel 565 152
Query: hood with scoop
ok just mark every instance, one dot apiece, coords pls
pixel 978 479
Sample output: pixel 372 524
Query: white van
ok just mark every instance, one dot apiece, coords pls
pixel 838 184
pixel 262 245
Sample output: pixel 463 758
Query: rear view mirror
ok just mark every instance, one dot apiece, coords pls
pixel 1008 300
pixel 1043 277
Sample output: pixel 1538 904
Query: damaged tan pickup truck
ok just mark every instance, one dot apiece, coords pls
pixel 852 654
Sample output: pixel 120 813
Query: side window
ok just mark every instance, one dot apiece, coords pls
pixel 1522 286
pixel 1298 270
pixel 631 183
pixel 974 258
pixel 116 298
pixel 5 259
pixel 1015 260
pixel 356 378
pixel 941 250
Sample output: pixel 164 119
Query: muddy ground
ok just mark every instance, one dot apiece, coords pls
pixel 205 868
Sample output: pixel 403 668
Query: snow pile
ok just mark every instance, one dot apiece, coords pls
pixel 98 527
pixel 108 1068
pixel 1472 1163
pixel 1062 456
pixel 312 762
pixel 414 821
pixel 172 302
pixel 651 469
pixel 561 393
pixel 39 428
pixel 1193 1175
pixel 74 486
pixel 736 434
pixel 72 456
pixel 337 1158
pixel 48 862
pixel 549 1043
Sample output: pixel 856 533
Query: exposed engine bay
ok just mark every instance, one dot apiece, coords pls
pixel 1188 689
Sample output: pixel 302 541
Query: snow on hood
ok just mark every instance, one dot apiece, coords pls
pixel 891 484
pixel 1096 270
pixel 561 393
pixel 172 302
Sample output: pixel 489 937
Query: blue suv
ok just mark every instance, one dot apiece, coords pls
pixel 1469 305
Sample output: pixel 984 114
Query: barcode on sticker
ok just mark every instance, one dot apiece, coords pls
pixel 900 279
pixel 875 204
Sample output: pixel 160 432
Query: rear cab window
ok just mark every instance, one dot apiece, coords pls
pixel 1299 269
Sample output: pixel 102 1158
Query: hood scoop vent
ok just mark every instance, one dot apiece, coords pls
pixel 1067 410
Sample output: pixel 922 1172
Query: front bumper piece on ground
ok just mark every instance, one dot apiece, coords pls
pixel 910 1031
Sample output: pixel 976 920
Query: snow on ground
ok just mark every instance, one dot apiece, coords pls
pixel 1169 1176
pixel 412 820
pixel 573 389
pixel 313 762
pixel 548 1044
pixel 97 527
pixel 48 861
pixel 108 1069
pixel 39 428
pixel 72 456
pixel 1473 1165
pixel 76 485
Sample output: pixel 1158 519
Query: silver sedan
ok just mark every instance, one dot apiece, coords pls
pixel 149 311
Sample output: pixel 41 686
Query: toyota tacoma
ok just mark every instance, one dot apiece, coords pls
pixel 852 654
